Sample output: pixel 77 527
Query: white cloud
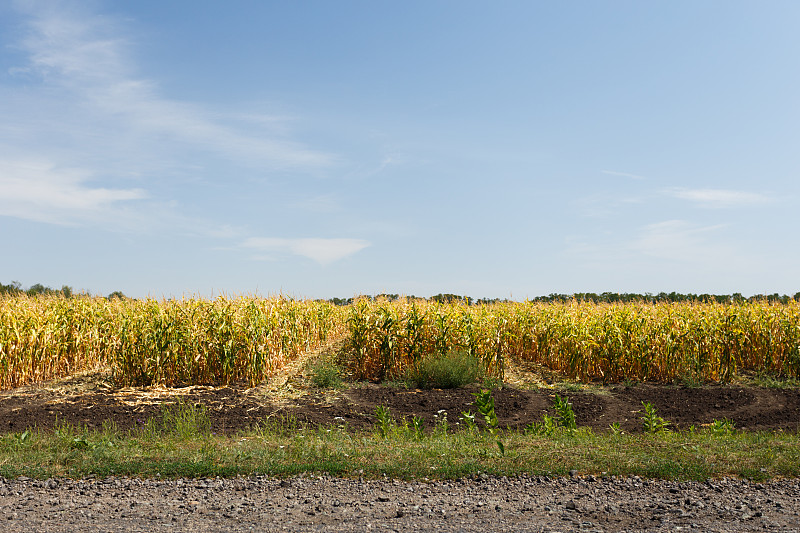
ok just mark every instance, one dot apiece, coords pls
pixel 719 198
pixel 323 251
pixel 41 191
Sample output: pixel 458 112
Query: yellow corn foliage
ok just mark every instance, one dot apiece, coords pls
pixel 590 342
pixel 224 340
pixel 158 342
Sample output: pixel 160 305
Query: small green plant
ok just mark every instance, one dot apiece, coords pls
pixel 468 419
pixel 484 402
pixel 24 438
pixel 721 428
pixel 565 414
pixel 325 374
pixel 454 369
pixel 629 381
pixel 80 442
pixel 775 382
pixel 564 419
pixel 546 428
pixel 492 383
pixel 691 381
pixel 652 422
pixel 442 425
pixel 616 429
pixel 386 422
pixel 418 426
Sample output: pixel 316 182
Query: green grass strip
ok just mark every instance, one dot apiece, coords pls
pixel 401 454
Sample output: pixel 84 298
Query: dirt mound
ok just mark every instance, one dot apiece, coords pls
pixel 235 408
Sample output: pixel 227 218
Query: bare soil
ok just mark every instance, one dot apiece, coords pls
pixel 88 401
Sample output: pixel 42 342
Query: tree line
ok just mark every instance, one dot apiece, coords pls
pixel 603 297
pixel 15 288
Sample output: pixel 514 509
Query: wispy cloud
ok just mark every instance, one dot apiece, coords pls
pixel 323 251
pixel 41 191
pixel 83 55
pixel 83 133
pixel 622 174
pixel 719 198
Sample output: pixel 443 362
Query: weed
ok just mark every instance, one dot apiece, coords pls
pixel 616 429
pixel 454 369
pixel 386 422
pixel 492 383
pixel 325 374
pixel 441 422
pixel 629 382
pixel 564 419
pixel 652 422
pixel 775 382
pixel 468 419
pixel 24 438
pixel 484 402
pixel 418 425
pixel 185 420
pixel 546 428
pixel 720 428
pixel 565 414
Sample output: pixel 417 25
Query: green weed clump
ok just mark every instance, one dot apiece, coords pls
pixel 563 421
pixel 484 402
pixel 325 374
pixel 454 369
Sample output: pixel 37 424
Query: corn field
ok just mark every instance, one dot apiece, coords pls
pixel 590 342
pixel 148 342
pixel 224 340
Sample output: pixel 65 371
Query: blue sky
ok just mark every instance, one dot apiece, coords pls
pixel 320 149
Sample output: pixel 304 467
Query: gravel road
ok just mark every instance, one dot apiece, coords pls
pixel 311 503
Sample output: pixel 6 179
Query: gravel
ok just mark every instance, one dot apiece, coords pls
pixel 323 503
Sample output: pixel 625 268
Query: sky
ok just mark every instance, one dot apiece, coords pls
pixel 323 149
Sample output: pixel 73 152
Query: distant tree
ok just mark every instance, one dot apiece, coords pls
pixel 36 290
pixel 116 295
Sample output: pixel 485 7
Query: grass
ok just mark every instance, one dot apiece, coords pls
pixel 179 444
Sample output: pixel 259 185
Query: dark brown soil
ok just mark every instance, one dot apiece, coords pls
pixel 235 408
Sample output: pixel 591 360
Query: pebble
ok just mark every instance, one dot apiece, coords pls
pixel 524 503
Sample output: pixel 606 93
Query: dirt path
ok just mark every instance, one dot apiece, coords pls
pixel 331 504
